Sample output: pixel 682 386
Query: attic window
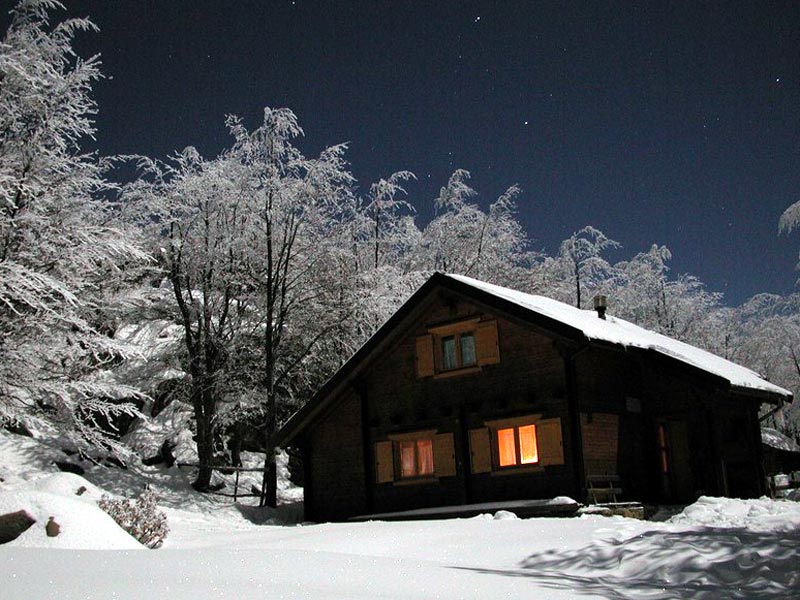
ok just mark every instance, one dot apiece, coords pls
pixel 467 345
pixel 458 351
pixel 464 345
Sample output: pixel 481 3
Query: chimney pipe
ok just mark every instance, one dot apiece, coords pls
pixel 600 305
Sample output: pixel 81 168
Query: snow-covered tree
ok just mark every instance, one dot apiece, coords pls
pixel 377 275
pixel 640 294
pixel 194 211
pixel 60 255
pixel 767 339
pixel 298 206
pixel 251 243
pixel 679 307
pixel 464 239
pixel 790 219
pixel 579 268
pixel 384 212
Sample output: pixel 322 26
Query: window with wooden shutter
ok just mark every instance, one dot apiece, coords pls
pixel 486 344
pixel 425 366
pixel 384 462
pixel 417 455
pixel 551 444
pixel 457 348
pixel 480 450
pixel 444 455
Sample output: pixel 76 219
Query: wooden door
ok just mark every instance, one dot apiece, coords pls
pixel 677 482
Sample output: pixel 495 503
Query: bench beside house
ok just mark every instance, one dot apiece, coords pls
pixel 472 393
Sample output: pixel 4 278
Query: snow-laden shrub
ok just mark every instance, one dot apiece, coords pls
pixel 141 517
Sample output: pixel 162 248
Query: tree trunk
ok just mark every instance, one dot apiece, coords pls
pixel 269 491
pixel 235 445
pixel 205 439
pixel 204 411
pixel 269 495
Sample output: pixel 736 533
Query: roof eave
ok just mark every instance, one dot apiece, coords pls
pixel 768 396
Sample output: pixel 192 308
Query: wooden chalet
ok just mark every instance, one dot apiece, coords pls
pixel 474 393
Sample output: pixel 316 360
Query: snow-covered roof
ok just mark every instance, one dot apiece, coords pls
pixel 775 439
pixel 624 333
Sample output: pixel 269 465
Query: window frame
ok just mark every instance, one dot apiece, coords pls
pixel 414 436
pixel 483 348
pixel 417 474
pixel 458 351
pixel 517 446
pixel 456 332
pixel 496 425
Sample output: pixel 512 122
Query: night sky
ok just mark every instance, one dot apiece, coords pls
pixel 659 122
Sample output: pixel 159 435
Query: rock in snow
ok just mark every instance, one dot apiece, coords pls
pixel 14 524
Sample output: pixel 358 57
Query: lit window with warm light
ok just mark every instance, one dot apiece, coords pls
pixel 416 458
pixel 517 446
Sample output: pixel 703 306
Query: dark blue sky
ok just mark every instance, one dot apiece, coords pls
pixel 664 122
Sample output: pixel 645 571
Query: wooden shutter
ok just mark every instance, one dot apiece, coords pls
pixel 444 455
pixel 486 345
pixel 551 445
pixel 425 356
pixel 480 450
pixel 384 462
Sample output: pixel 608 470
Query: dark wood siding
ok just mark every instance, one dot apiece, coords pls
pixel 337 466
pixel 610 413
pixel 609 383
pixel 528 379
pixel 712 430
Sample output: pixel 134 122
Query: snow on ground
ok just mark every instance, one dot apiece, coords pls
pixel 763 515
pixel 82 524
pixel 715 548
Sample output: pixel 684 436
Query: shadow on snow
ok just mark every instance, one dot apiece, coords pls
pixel 704 563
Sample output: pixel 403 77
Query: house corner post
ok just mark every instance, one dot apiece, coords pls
pixel 573 406
pixel 360 390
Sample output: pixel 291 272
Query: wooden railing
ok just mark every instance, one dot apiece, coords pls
pixel 225 469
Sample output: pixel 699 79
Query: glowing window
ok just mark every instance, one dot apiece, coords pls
pixel 517 446
pixel 416 458
pixel 506 447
